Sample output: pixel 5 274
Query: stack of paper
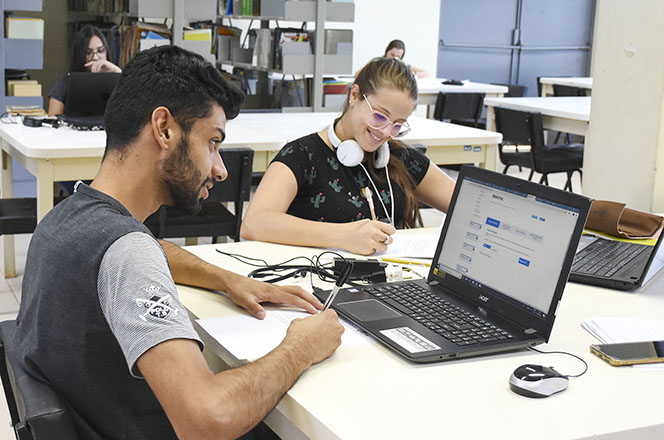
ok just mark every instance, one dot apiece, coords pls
pixel 615 330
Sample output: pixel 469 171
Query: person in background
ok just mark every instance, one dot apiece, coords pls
pixel 397 49
pixel 89 53
pixel 308 197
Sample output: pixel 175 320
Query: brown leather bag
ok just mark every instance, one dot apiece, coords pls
pixel 615 218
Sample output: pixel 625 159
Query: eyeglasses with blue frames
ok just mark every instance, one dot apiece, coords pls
pixel 379 121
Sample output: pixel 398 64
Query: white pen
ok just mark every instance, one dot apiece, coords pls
pixel 341 280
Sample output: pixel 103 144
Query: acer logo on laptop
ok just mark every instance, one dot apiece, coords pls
pixel 484 298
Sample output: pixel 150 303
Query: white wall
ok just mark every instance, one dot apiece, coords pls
pixel 624 155
pixel 415 22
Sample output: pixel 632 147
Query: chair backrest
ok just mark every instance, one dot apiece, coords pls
pixel 236 188
pixel 561 90
pixel 213 220
pixel 37 411
pixel 521 128
pixel 458 106
pixel 513 90
pixel 514 125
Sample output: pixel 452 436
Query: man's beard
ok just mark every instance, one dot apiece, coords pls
pixel 184 180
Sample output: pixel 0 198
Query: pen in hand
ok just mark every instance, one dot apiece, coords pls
pixel 341 280
pixel 367 194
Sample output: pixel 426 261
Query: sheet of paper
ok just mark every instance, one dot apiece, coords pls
pixel 412 245
pixel 613 330
pixel 616 330
pixel 249 338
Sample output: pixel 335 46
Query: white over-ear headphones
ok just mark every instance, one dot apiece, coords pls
pixel 351 154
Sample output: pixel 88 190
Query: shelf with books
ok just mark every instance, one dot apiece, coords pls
pixel 299 11
pixel 291 51
pixel 301 65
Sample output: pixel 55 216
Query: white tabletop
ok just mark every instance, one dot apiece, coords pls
pixel 435 85
pixel 429 132
pixel 572 107
pixel 48 143
pixel 369 392
pixel 574 81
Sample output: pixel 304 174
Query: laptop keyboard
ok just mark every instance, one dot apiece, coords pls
pixel 607 258
pixel 441 316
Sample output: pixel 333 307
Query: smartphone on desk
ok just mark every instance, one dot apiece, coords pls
pixel 630 353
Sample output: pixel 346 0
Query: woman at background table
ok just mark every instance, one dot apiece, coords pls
pixel 397 49
pixel 308 197
pixel 89 54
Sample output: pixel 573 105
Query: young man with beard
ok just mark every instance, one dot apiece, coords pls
pixel 100 319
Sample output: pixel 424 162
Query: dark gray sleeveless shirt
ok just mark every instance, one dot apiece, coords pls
pixel 97 293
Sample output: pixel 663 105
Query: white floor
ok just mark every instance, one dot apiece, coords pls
pixel 10 289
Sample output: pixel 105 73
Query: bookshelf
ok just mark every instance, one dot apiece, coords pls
pixel 19 54
pixel 318 63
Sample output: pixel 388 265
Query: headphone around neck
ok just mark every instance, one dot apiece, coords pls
pixel 351 154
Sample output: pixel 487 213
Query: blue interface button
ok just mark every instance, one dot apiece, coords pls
pixel 487 245
pixel 492 222
pixel 524 262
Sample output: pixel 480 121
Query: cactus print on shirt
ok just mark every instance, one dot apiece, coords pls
pixel 331 192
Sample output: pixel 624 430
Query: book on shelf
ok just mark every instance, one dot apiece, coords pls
pixel 25 28
pixel 25 110
pixel 23 88
pixel 295 40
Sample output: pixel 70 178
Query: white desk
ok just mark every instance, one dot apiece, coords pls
pixel 446 143
pixel 64 154
pixel 566 114
pixel 366 391
pixel 428 89
pixel 50 155
pixel 583 82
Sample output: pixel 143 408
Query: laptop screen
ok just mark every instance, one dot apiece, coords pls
pixel 507 243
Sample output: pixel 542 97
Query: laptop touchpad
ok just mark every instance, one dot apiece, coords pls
pixel 367 310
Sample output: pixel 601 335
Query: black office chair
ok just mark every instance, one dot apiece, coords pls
pixel 19 216
pixel 214 219
pixel 524 128
pixel 459 108
pixel 513 90
pixel 37 412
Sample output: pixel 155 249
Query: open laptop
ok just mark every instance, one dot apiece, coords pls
pixel 616 264
pixel 87 95
pixel 496 279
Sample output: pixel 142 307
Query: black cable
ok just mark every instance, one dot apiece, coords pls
pixel 265 270
pixel 568 354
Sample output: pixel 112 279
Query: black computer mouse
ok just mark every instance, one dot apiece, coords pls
pixel 452 82
pixel 537 381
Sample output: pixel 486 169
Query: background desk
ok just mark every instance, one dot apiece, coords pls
pixel 368 392
pixel 428 88
pixel 566 114
pixel 64 154
pixel 583 82
pixel 446 143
